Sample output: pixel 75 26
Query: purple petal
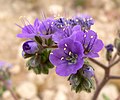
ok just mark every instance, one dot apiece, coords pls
pixel 55 57
pixel 26 35
pixel 67 42
pixel 66 70
pixel 77 36
pixel 76 28
pixel 77 48
pixel 98 45
pixel 58 36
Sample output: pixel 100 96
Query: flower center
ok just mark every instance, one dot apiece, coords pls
pixel 72 58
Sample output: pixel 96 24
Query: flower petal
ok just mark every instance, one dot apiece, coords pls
pixel 66 70
pixel 55 57
pixel 98 45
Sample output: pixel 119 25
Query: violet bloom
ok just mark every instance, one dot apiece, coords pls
pixel 2 63
pixel 84 20
pixel 30 47
pixel 46 28
pixel 60 23
pixel 90 43
pixel 68 57
pixel 88 72
pixel 64 33
pixel 29 30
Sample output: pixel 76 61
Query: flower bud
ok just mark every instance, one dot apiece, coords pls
pixel 30 47
pixel 88 72
pixel 117 45
pixel 109 49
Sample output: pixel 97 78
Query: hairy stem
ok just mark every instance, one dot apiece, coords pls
pixel 112 64
pixel 104 81
pixel 98 63
pixel 114 77
pixel 114 57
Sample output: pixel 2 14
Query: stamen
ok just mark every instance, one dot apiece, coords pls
pixel 66 45
pixel 91 37
pixel 84 35
pixel 51 53
pixel 61 26
pixel 76 20
pixel 65 48
pixel 52 23
pixel 88 19
pixel 65 23
pixel 70 53
pixel 63 29
pixel 91 18
pixel 62 58
pixel 84 19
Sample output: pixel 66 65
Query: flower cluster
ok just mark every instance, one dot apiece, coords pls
pixel 5 76
pixel 74 40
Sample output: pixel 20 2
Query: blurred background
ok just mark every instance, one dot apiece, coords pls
pixel 30 86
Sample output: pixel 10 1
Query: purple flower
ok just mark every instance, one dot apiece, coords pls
pixel 90 43
pixel 109 47
pixel 30 47
pixel 60 23
pixel 29 30
pixel 72 22
pixel 88 72
pixel 64 33
pixel 84 21
pixel 68 57
pixel 45 27
pixel 4 65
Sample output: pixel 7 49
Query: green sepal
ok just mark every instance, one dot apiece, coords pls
pixel 117 45
pixel 37 70
pixel 40 63
pixel 32 62
pixel 49 65
pixel 108 55
pixel 80 83
pixel 28 55
pixel 48 42
pixel 45 69
pixel 38 40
